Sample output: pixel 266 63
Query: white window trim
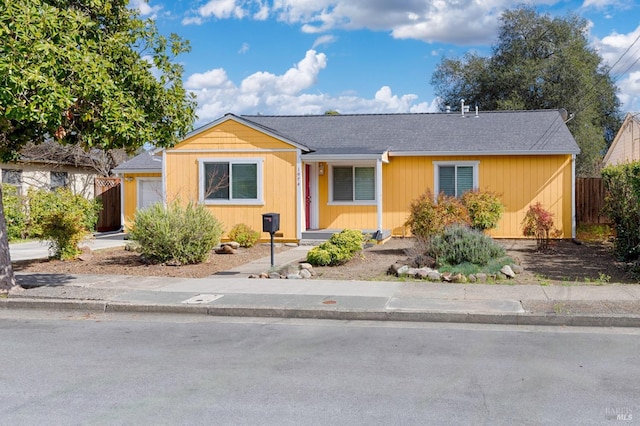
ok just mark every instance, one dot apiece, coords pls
pixel 436 173
pixel 139 182
pixel 258 161
pixel 354 202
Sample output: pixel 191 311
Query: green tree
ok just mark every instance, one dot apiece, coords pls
pixel 539 62
pixel 89 73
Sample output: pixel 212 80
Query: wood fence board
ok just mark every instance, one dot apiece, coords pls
pixel 107 190
pixel 590 196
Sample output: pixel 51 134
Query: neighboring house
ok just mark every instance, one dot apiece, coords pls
pixel 332 172
pixel 625 147
pixel 50 166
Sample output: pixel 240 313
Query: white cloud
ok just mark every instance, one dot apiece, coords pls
pixel 324 40
pixel 144 8
pixel 244 48
pixel 460 22
pixel 621 52
pixel 267 93
pixel 607 4
pixel 222 9
pixel 630 92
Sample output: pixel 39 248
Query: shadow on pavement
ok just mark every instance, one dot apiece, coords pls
pixel 43 280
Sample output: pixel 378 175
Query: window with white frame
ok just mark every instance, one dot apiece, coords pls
pixel 454 179
pixel 231 181
pixel 353 184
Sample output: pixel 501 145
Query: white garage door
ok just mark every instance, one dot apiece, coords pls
pixel 149 192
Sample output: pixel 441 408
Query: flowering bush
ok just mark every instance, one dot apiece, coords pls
pixel 538 223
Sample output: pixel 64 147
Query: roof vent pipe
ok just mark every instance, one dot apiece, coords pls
pixel 447 109
pixel 476 111
pixel 462 106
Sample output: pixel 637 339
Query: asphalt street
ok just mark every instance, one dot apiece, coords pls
pixel 107 369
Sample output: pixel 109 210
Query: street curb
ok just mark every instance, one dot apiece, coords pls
pixel 326 313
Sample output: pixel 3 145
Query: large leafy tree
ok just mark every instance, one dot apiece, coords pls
pixel 539 62
pixel 86 72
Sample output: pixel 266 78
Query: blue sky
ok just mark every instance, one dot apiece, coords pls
pixel 358 56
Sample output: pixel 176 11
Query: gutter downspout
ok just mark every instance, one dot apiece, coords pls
pixel 299 195
pixel 379 195
pixel 122 181
pixel 163 177
pixel 573 196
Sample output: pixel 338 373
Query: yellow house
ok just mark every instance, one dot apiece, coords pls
pixel 330 172
pixel 625 147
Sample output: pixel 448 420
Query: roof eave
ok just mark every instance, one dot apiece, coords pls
pixel 123 171
pixel 478 153
pixel 248 123
pixel 312 157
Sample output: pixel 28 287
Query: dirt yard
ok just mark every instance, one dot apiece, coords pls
pixel 588 263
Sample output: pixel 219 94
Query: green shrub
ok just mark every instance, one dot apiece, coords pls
pixel 428 218
pixel 622 205
pixel 340 248
pixel 484 207
pixel 63 218
pixel 459 244
pixel 14 212
pixel 183 235
pixel 538 223
pixel 244 235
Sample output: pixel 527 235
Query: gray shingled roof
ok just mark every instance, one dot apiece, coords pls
pixel 503 132
pixel 141 163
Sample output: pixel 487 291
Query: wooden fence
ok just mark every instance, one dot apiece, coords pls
pixel 590 195
pixel 107 190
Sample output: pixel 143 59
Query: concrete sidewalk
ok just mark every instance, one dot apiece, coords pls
pixel 231 293
pixel 40 249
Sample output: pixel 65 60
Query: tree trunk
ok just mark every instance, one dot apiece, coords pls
pixel 7 280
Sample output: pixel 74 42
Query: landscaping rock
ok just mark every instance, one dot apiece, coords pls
pixel 254 276
pixel 233 244
pixel 458 278
pixel 507 271
pixel 306 266
pixel 274 275
pixel 422 274
pixel 472 278
pixel 263 275
pixel 304 273
pixel 481 277
pixel 293 276
pixel 517 269
pixel 225 249
pixel 434 276
pixel 290 244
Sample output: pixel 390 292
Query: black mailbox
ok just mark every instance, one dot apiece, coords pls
pixel 270 222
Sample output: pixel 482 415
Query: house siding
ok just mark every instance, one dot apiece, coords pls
pixel 233 140
pixel 625 147
pixel 130 195
pixel 520 181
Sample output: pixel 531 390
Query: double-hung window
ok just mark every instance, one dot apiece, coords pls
pixel 454 179
pixel 231 181
pixel 355 184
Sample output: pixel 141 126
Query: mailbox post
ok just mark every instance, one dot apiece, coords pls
pixel 271 224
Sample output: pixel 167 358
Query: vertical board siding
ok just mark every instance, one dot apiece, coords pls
pixel 233 140
pixel 130 202
pixel 519 180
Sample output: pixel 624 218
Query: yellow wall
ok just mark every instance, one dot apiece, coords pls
pixel 130 198
pixel 520 181
pixel 238 141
